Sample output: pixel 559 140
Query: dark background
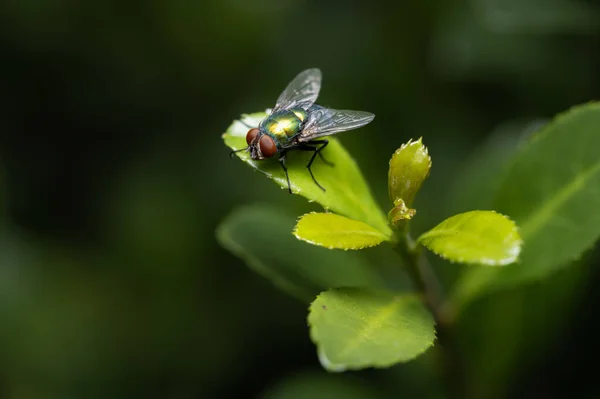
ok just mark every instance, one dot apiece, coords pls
pixel 114 177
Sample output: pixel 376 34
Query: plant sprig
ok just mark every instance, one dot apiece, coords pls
pixel 359 323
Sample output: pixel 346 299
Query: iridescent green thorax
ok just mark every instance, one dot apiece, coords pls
pixel 284 125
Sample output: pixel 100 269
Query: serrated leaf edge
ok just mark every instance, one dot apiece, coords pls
pixel 513 258
pixel 335 367
pixel 409 143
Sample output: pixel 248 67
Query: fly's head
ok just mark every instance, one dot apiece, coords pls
pixel 260 145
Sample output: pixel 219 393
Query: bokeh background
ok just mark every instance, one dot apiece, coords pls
pixel 114 178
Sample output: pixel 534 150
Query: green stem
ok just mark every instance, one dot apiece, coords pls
pixel 421 274
pixel 427 284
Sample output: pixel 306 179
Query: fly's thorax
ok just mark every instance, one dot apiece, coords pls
pixel 285 124
pixel 300 113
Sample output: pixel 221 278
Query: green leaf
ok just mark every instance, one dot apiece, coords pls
pixel 409 167
pixel 347 191
pixel 551 191
pixel 478 237
pixel 476 185
pixel 260 235
pixel 337 232
pixel 525 323
pixel 355 328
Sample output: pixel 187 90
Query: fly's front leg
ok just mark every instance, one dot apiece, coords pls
pixel 243 149
pixel 282 159
pixel 233 152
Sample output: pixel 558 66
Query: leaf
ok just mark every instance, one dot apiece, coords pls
pixel 526 323
pixel 478 180
pixel 551 191
pixel 347 191
pixel 409 167
pixel 479 237
pixel 337 232
pixel 261 237
pixel 355 328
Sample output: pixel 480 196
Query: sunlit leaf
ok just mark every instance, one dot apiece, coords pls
pixel 355 328
pixel 479 237
pixel 334 231
pixel 262 237
pixel 551 191
pixel 347 192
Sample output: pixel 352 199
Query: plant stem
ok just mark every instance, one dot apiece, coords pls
pixel 427 284
pixel 422 275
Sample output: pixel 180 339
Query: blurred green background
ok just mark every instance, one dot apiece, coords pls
pixel 114 178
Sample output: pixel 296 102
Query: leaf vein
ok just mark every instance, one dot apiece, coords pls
pixel 545 213
pixel 374 322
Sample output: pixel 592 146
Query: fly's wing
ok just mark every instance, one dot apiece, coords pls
pixel 301 92
pixel 325 122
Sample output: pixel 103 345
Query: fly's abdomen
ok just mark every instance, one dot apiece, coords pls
pixel 284 125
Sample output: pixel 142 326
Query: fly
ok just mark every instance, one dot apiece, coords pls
pixel 297 123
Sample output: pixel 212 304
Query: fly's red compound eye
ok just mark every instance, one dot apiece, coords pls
pixel 267 146
pixel 252 133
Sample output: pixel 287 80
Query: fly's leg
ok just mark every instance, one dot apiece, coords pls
pixel 243 149
pixel 282 162
pixel 316 146
pixel 315 151
pixel 321 148
pixel 233 152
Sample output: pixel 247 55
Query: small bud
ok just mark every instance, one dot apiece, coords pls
pixel 409 167
pixel 400 213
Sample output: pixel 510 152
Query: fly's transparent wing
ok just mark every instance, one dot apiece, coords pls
pixel 301 92
pixel 326 121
